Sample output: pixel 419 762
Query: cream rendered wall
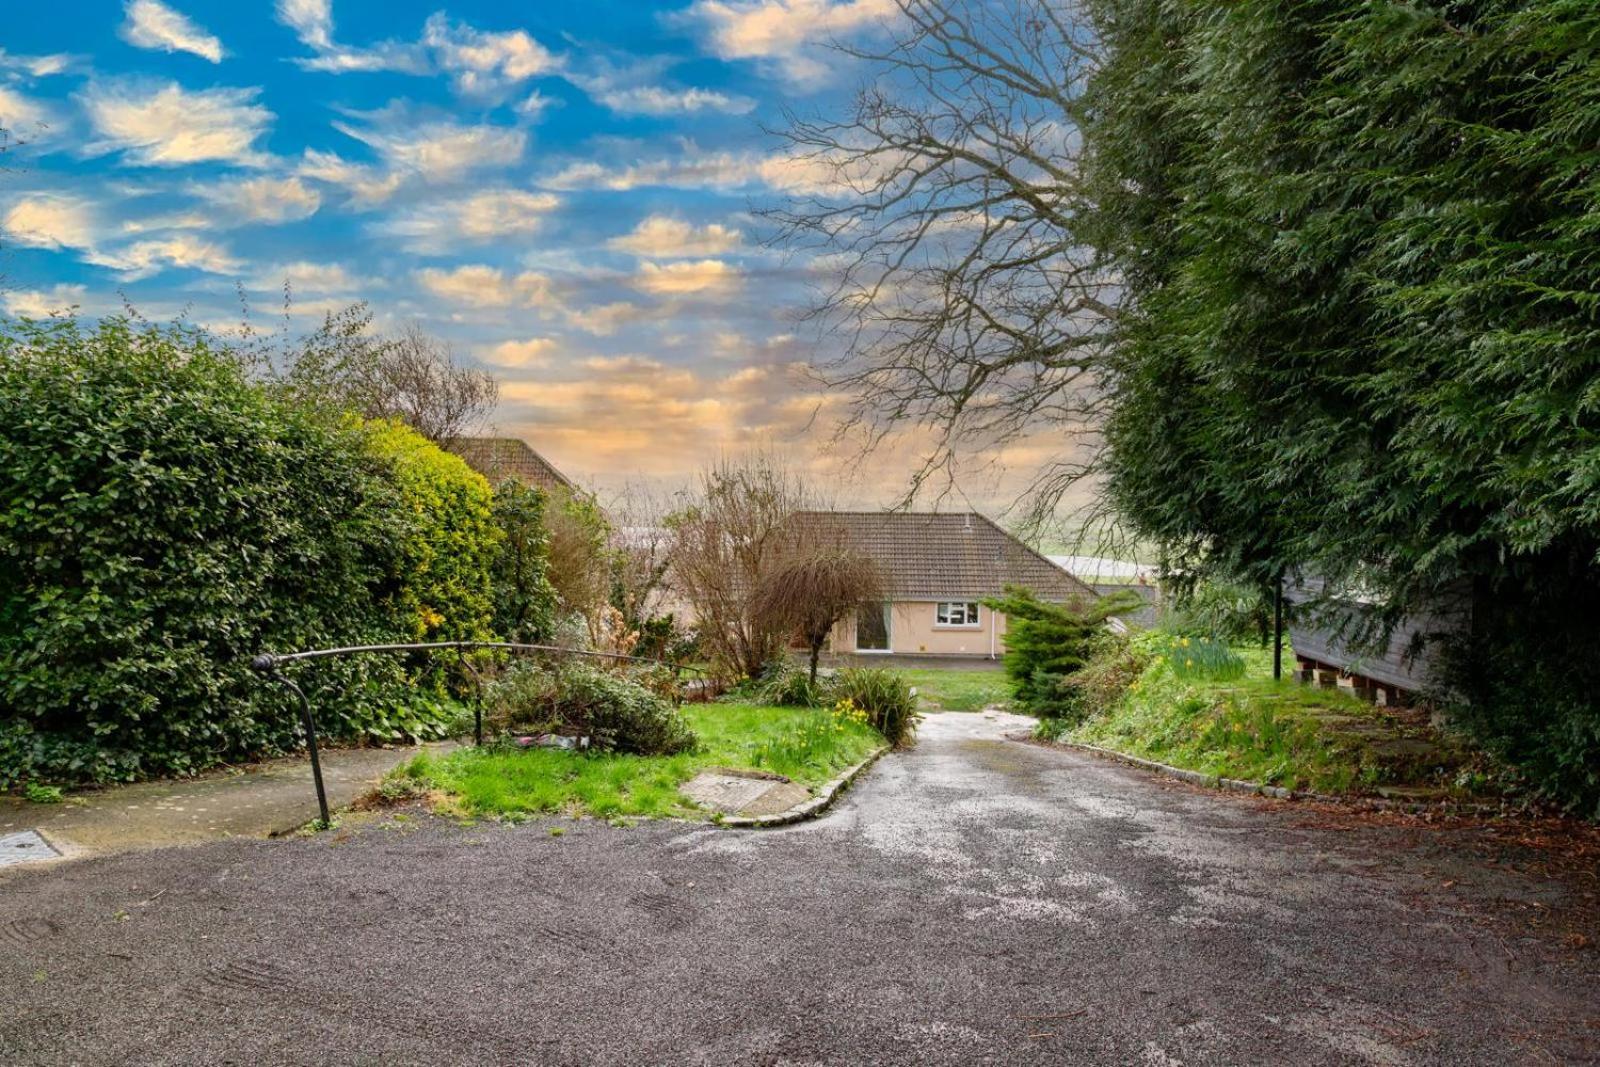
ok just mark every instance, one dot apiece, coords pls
pixel 913 631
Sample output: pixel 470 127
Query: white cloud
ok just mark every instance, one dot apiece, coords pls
pixel 536 104
pixel 263 200
pixel 21 115
pixel 483 63
pixel 485 287
pixel 695 169
pixel 152 24
pixel 534 352
pixel 654 100
pixel 312 22
pixel 186 251
pixel 36 66
pixel 702 276
pixel 780 31
pixel 488 215
pixel 664 237
pixel 605 319
pixel 50 221
pixel 436 149
pixel 62 222
pixel 42 303
pixel 367 185
pixel 167 125
pixel 308 277
pixel 179 220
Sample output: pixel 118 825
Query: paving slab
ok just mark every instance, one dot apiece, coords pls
pixel 25 847
pixel 732 793
pixel 263 800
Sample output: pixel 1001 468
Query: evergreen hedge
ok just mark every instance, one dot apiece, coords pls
pixel 163 519
pixel 1361 334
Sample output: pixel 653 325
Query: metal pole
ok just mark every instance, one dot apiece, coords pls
pixel 269 666
pixel 1277 629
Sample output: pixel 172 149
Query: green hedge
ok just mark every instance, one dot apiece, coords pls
pixel 163 519
pixel 451 537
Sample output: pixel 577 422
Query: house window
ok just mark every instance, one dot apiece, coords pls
pixel 956 613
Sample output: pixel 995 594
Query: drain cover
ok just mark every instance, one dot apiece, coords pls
pixel 24 847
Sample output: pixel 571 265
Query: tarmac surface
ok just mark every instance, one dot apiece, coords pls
pixel 973 900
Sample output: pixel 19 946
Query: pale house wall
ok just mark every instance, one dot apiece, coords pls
pixel 913 631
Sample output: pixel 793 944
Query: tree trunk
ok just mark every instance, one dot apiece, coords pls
pixel 816 652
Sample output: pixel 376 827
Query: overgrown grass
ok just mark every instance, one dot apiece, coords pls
pixel 958 690
pixel 808 745
pixel 1279 733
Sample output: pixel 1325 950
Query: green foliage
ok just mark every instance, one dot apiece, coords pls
pixel 520 782
pixel 451 538
pixel 1046 642
pixel 813 739
pixel 1253 728
pixel 784 684
pixel 662 638
pixel 38 793
pixel 524 600
pixel 1199 658
pixel 617 713
pixel 1115 662
pixel 1361 333
pixel 165 518
pixel 946 689
pixel 1224 611
pixel 885 698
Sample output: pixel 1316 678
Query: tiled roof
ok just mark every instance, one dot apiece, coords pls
pixel 948 555
pixel 499 458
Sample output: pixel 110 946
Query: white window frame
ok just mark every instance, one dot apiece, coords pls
pixel 970 609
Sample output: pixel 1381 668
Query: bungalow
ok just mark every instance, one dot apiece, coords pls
pixel 502 458
pixel 937 568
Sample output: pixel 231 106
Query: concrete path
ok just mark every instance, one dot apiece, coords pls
pixel 268 798
pixel 971 901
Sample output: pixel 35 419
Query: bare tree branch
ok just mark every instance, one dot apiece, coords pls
pixel 946 223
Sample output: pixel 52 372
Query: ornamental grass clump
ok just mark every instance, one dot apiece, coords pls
pixel 884 698
pixel 1202 658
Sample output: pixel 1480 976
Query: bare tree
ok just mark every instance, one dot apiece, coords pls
pixel 347 365
pixel 641 545
pixel 947 202
pixel 420 383
pixel 580 558
pixel 810 592
pixel 733 534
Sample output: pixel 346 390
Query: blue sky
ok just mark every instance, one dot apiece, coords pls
pixel 561 190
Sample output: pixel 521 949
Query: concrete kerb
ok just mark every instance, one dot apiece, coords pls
pixel 811 808
pixel 1235 785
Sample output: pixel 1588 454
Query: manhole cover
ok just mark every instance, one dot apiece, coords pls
pixel 24 847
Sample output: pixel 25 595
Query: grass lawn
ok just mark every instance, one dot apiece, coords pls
pixel 809 746
pixel 957 690
pixel 1281 733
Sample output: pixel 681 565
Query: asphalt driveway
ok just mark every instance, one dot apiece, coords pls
pixel 975 900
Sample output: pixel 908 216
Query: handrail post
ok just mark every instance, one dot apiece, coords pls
pixel 268 665
pixel 477 701
pixel 1277 628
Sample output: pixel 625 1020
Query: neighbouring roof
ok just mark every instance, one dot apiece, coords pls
pixel 1098 570
pixel 499 458
pixel 949 555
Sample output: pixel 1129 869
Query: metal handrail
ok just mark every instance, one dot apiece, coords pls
pixel 270 664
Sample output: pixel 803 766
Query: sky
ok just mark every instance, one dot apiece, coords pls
pixel 566 192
